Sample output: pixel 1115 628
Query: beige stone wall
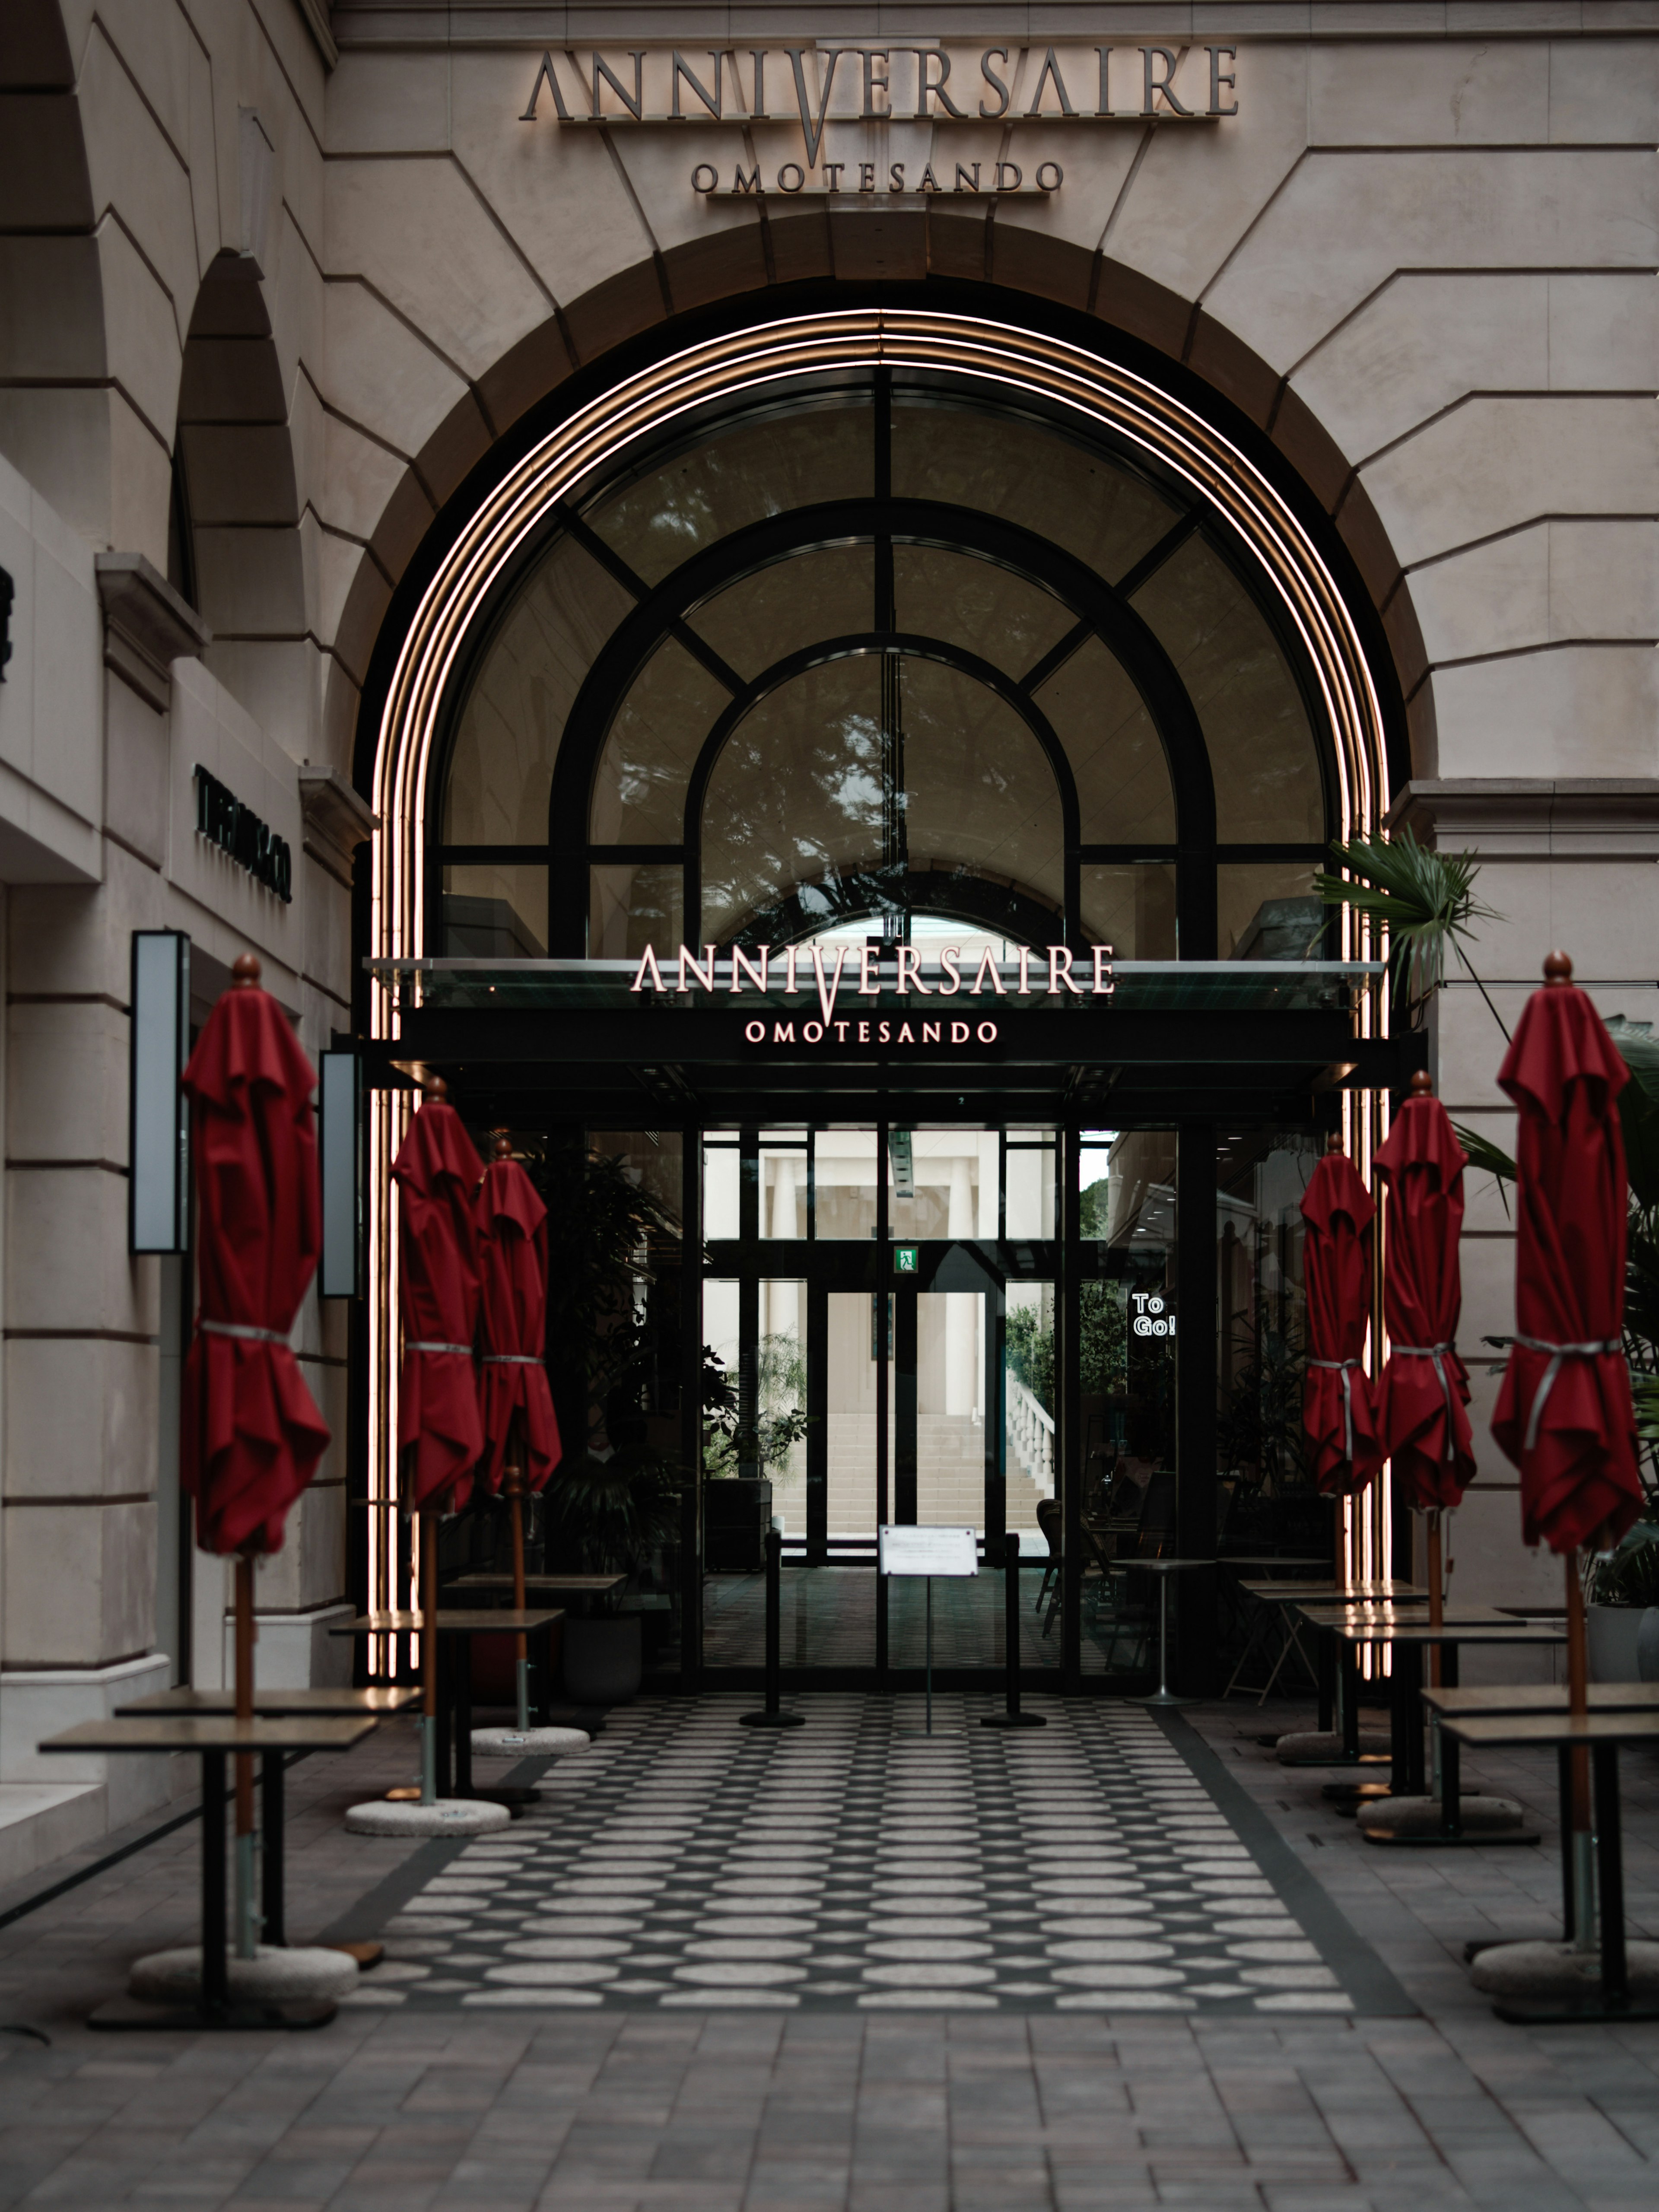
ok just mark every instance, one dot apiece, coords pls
pixel 317 250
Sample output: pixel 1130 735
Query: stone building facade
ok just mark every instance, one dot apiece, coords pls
pixel 281 283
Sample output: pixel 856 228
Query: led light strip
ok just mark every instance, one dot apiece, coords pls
pixel 749 362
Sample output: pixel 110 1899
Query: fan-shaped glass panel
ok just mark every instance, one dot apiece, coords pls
pixel 1008 467
pixel 738 475
pixel 761 619
pixel 796 797
pixel 639 794
pixel 1262 749
pixel 500 769
pixel 1124 793
pixel 977 605
pixel 979 794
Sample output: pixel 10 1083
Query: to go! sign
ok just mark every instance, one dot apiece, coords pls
pixel 1152 1317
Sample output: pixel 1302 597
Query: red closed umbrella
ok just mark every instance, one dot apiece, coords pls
pixel 1337 1408
pixel 1564 1414
pixel 1422 1394
pixel 439 1277
pixel 251 1435
pixel 519 1419
pixel 512 1232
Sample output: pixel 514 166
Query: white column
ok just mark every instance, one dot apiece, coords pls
pixel 962 1355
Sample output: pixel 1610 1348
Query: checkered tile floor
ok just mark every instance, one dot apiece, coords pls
pixel 857 1864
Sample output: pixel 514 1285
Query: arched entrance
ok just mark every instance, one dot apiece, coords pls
pixel 908 629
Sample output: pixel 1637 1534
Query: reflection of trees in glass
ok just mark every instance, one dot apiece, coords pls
pixel 1104 1316
pixel 1259 1432
pixel 781 1420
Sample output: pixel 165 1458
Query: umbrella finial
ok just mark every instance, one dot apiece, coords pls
pixel 503 1148
pixel 434 1090
pixel 245 972
pixel 1422 1084
pixel 1558 970
pixel 1334 1142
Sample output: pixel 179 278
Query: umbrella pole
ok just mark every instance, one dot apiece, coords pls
pixel 429 1659
pixel 1581 1843
pixel 513 1483
pixel 1436 1591
pixel 246 1886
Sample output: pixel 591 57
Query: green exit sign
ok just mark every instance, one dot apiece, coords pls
pixel 905 1259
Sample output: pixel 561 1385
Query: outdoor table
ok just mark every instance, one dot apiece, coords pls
pixel 1601 1734
pixel 455 1683
pixel 1407 1639
pixel 1286 1596
pixel 213 1738
pixel 375 1704
pixel 1266 1616
pixel 544 1585
pixel 1163 1569
pixel 1489 1700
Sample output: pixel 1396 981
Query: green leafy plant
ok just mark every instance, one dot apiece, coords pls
pixel 1629 1576
pixel 1424 898
pixel 729 1442
pixel 608 1512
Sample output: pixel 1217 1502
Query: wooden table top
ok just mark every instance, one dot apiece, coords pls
pixel 1542 1697
pixel 1451 1631
pixel 1488 1729
pixel 452 1621
pixel 211 1732
pixel 1342 1593
pixel 377 1701
pixel 1330 1615
pixel 578 1585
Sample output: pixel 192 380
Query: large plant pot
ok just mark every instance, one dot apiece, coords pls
pixel 1612 1633
pixel 603 1660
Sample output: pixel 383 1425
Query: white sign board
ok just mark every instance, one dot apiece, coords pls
pixel 927 1550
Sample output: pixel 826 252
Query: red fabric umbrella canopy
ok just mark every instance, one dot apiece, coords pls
pixel 251 1433
pixel 1337 1410
pixel 438 1275
pixel 513 1230
pixel 1564 1414
pixel 1421 1394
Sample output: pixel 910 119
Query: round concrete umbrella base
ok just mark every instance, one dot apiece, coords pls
pixel 528 1743
pixel 270 1977
pixel 1323 1747
pixel 1420 1816
pixel 1556 1970
pixel 450 1816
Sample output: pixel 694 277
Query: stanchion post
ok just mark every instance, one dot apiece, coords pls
pixel 1011 1716
pixel 772 1715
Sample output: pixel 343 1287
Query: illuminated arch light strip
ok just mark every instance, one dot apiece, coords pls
pixel 726 369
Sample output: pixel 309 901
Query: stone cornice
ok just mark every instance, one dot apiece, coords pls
pixel 1553 817
pixel 146 626
pixel 338 820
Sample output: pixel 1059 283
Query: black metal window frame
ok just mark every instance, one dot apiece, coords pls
pixel 664 611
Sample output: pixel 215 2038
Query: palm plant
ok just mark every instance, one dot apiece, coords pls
pixel 1424 898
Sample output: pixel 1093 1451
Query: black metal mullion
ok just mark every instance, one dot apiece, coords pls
pixel 883 1293
pixel 1197 1346
pixel 691 1405
pixel 1068 1425
pixel 1056 657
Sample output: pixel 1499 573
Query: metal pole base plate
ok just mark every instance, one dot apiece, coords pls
pixel 126 2016
pixel 771 1720
pixel 1013 1720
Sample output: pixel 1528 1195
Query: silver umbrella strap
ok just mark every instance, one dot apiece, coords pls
pixel 1436 1352
pixel 1344 1368
pixel 1558 1353
pixel 244 1330
pixel 511 1359
pixel 461 1351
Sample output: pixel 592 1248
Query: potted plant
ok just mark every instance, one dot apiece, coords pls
pixel 608 1510
pixel 1623 1614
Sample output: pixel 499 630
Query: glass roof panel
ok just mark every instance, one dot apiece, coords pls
pixel 1123 789
pixel 736 475
pixel 762 619
pixel 639 792
pixel 979 794
pixel 975 603
pixel 1008 466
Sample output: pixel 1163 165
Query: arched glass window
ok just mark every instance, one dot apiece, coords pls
pixel 887 651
